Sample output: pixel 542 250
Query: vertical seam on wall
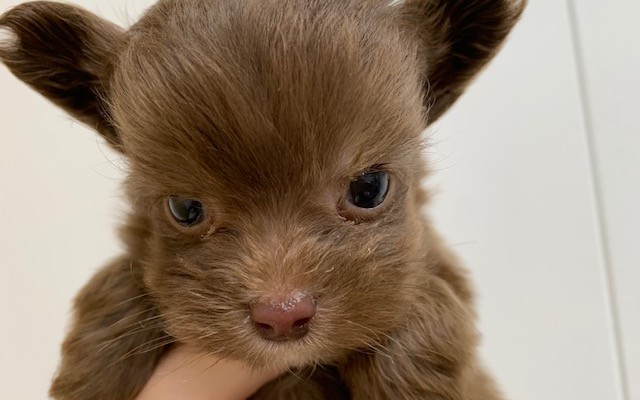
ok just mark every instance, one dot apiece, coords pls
pixel 604 253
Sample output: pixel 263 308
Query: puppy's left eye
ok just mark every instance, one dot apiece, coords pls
pixel 187 212
pixel 369 190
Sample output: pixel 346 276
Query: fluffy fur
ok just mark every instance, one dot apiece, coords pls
pixel 265 110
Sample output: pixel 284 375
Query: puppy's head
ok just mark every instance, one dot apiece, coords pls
pixel 274 150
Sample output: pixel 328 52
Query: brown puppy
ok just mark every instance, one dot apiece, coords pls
pixel 275 160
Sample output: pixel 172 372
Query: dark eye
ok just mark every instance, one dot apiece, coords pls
pixel 369 189
pixel 187 212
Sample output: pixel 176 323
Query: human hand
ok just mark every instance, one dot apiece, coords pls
pixel 186 374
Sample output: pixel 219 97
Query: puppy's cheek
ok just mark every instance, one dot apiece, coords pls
pixel 200 305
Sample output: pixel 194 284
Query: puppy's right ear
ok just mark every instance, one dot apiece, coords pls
pixel 66 54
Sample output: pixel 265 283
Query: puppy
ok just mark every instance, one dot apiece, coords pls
pixel 275 157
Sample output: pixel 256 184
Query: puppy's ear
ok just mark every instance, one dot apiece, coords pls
pixel 66 54
pixel 456 39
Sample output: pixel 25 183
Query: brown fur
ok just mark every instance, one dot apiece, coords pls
pixel 264 110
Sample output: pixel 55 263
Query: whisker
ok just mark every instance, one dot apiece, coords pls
pixel 140 349
pixel 132 298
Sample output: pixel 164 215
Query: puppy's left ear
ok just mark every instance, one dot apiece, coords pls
pixel 66 54
pixel 456 39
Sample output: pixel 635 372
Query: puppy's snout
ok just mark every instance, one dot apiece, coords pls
pixel 286 319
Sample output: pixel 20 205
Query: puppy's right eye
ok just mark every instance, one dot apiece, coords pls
pixel 369 190
pixel 187 212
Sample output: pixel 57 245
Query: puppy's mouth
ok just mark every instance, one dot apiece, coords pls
pixel 290 353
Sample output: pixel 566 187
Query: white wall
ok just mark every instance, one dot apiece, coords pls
pixel 537 182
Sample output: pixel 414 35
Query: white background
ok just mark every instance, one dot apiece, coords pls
pixel 537 181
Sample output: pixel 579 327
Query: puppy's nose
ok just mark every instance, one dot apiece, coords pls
pixel 284 319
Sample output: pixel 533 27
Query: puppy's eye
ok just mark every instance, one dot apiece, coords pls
pixel 369 189
pixel 187 212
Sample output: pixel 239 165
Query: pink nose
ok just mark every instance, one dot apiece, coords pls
pixel 283 320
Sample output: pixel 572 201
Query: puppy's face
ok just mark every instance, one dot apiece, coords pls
pixel 274 151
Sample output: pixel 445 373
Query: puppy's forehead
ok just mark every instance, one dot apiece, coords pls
pixel 255 87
